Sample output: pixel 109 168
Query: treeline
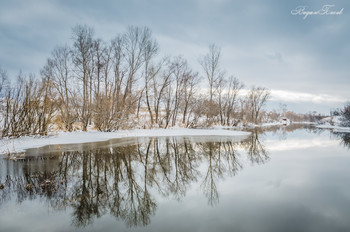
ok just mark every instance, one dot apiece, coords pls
pixel 275 115
pixel 124 83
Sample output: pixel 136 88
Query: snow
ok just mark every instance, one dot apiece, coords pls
pixel 280 123
pixel 267 124
pixel 334 123
pixel 21 144
pixel 335 128
pixel 332 120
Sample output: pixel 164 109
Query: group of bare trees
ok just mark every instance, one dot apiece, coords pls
pixel 225 103
pixel 121 84
pixel 27 108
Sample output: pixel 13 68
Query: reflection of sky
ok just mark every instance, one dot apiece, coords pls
pixel 287 145
pixel 294 144
pixel 303 193
pixel 296 190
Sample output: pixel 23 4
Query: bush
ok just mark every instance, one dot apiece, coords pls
pixel 346 115
pixel 336 112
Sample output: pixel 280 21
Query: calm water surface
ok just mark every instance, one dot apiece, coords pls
pixel 280 179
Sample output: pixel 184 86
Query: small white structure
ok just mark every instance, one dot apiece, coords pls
pixel 285 121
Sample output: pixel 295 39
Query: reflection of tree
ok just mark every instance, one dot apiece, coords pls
pixel 283 130
pixel 255 149
pixel 214 172
pixel 345 137
pixel 119 180
pixel 108 182
pixel 31 186
pixel 221 159
pixel 183 166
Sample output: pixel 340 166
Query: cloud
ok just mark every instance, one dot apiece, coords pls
pixel 262 43
pixel 275 56
pixel 283 95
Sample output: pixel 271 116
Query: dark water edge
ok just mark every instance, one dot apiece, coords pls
pixel 292 178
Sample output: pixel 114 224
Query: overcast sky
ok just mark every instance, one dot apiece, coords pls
pixel 305 62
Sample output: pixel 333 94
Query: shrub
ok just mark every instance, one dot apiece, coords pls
pixel 346 115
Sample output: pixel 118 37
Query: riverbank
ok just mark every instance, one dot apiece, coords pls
pixel 334 123
pixel 339 129
pixel 15 145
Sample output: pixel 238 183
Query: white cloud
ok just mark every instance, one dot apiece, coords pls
pixel 283 95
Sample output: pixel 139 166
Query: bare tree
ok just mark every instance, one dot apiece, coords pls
pixel 221 87
pixel 160 84
pixel 82 58
pixel 59 71
pixel 189 89
pixel 168 104
pixel 231 99
pixel 100 52
pixel 109 107
pixel 211 66
pixel 102 85
pixel 4 82
pixel 47 104
pixel 135 42
pixel 180 69
pixel 256 99
pixel 4 88
pixel 150 50
pixel 119 74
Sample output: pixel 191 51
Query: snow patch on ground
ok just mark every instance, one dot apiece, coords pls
pixel 21 144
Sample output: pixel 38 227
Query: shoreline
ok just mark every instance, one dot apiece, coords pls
pixel 18 145
pixel 21 144
pixel 339 129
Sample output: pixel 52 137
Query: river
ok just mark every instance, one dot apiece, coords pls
pixel 293 178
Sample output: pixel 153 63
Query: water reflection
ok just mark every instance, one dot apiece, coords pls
pixel 345 138
pixel 256 150
pixel 282 131
pixel 121 179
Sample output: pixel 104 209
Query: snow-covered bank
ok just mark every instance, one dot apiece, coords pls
pixel 335 128
pixel 334 123
pixel 23 143
pixel 268 124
